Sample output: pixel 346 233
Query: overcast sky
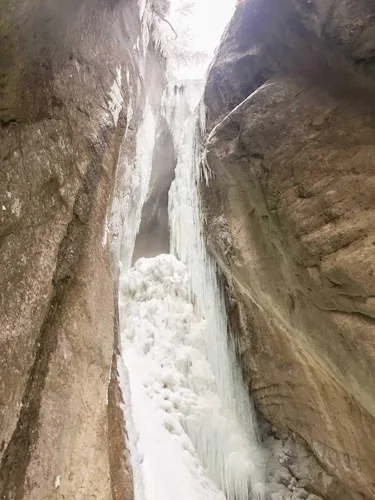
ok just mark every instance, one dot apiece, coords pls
pixel 207 23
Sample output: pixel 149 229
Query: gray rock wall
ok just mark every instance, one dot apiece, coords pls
pixel 67 72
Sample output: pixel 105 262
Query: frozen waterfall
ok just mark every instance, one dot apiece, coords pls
pixel 191 425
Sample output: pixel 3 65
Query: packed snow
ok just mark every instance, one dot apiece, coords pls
pixel 172 387
pixel 185 438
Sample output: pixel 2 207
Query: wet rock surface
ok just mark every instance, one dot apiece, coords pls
pixel 290 210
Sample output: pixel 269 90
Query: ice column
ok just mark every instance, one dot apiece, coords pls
pixel 228 446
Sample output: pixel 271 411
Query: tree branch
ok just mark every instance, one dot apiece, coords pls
pixel 165 20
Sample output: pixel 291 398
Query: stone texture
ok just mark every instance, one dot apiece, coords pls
pixel 153 237
pixel 67 73
pixel 119 453
pixel 290 211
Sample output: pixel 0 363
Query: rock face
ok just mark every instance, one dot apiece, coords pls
pixel 290 210
pixel 153 237
pixel 70 72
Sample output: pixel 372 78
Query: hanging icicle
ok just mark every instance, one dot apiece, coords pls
pixel 191 423
pixel 230 451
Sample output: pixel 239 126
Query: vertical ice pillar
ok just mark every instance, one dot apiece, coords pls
pixel 235 462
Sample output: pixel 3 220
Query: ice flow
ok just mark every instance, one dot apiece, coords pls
pixel 191 424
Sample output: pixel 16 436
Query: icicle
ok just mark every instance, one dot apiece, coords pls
pixel 230 453
pixel 179 100
pixel 191 425
pixel 138 178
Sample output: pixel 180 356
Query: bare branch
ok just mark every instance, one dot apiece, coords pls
pixel 165 20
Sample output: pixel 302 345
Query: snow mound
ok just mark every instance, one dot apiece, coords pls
pixel 188 443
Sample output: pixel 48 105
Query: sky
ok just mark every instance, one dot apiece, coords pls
pixel 206 25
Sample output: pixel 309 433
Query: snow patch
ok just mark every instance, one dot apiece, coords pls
pixel 105 232
pixel 172 388
pixel 189 441
pixel 116 99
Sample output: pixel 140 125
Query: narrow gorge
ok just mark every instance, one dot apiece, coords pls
pixel 187 240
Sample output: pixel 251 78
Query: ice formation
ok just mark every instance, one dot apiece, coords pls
pixel 191 424
pixel 179 100
pixel 137 177
pixel 131 187
pixel 235 462
pixel 170 380
pixel 180 425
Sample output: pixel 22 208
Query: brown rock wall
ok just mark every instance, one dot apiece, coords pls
pixel 68 71
pixel 291 211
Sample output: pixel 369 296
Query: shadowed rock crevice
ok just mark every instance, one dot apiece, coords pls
pixel 153 237
pixel 17 454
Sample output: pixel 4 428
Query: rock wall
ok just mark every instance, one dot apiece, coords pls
pixel 290 212
pixel 72 81
pixel 153 237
